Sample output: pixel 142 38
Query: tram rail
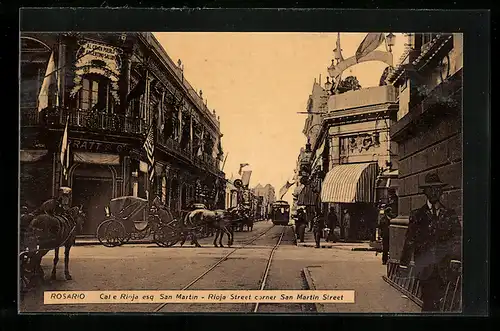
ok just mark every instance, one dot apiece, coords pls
pixel 225 257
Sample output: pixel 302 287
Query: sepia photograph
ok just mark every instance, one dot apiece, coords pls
pixel 216 172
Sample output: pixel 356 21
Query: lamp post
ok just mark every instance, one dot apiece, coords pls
pixel 390 40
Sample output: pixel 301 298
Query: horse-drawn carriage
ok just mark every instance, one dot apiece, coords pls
pixel 133 218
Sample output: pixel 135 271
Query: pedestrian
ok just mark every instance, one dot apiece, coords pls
pixel 318 226
pixel 301 224
pixel 346 224
pixel 434 238
pixel 384 222
pixel 331 224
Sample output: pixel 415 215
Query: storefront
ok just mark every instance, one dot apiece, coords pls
pixel 351 187
pixel 95 179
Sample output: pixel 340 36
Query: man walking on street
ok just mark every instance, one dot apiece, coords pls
pixel 434 237
pixel 318 226
pixel 346 224
pixel 300 224
pixel 331 224
pixel 384 222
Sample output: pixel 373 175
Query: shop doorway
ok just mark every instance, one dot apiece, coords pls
pixel 94 195
pixel 93 188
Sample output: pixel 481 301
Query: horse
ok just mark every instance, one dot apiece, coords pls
pixel 216 220
pixel 53 232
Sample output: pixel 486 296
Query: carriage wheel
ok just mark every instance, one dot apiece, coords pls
pixel 166 236
pixel 111 233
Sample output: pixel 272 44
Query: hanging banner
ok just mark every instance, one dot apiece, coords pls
pixel 98 59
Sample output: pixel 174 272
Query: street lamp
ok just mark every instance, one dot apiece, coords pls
pixel 390 40
pixel 328 84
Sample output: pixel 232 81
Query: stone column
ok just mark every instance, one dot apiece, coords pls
pixel 169 192
pixel 334 153
pixel 126 175
pixel 61 85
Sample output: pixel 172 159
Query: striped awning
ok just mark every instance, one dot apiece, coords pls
pixel 349 183
pixel 308 196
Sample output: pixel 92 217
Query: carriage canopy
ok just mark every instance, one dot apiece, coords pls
pixel 127 207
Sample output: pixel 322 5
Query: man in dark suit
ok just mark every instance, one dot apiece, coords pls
pixel 331 224
pixel 434 237
pixel 300 224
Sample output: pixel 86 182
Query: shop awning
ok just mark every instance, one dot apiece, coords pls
pixel 348 183
pixel 308 196
pixel 97 158
pixel 32 155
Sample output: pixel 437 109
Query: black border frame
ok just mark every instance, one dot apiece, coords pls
pixel 475 24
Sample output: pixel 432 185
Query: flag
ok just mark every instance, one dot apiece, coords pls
pixel 216 199
pixel 285 188
pixel 149 146
pixel 137 91
pixel 242 165
pixel 245 178
pixel 200 147
pixel 43 96
pixel 339 49
pixel 64 157
pixel 371 42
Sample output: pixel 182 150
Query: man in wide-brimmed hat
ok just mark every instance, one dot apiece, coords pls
pixel 434 237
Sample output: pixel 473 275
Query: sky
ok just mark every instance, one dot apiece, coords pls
pixel 257 83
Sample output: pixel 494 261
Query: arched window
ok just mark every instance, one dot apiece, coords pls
pixel 95 94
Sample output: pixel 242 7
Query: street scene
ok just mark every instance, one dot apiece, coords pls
pixel 300 161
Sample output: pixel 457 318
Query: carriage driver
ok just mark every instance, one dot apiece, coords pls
pixel 59 205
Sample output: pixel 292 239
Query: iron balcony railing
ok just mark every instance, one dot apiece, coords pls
pixel 112 123
pixel 85 119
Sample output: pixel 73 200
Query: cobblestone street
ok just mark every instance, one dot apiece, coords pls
pixel 148 267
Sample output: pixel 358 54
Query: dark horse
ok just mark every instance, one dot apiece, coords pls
pixel 216 220
pixel 52 232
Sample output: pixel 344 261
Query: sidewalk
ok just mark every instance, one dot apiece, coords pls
pixel 350 246
pixel 372 293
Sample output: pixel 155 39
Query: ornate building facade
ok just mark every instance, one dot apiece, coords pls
pixel 111 89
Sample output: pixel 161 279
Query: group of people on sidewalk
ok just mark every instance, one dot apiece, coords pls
pixel 324 226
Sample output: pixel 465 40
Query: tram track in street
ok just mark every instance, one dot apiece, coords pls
pixel 226 257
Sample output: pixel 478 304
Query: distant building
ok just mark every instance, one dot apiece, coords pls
pixel 268 196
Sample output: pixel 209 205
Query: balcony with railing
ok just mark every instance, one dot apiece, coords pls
pixel 83 119
pixel 204 161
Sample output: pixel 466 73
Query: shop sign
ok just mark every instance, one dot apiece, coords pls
pixel 96 146
pixel 99 59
